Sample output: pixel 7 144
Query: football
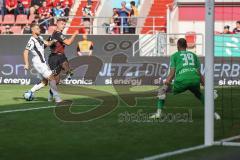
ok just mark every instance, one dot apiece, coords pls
pixel 28 96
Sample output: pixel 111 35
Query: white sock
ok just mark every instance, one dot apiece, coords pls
pixel 37 87
pixel 159 111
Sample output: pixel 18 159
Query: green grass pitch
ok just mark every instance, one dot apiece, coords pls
pixel 38 134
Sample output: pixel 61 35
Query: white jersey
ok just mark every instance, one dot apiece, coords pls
pixel 36 48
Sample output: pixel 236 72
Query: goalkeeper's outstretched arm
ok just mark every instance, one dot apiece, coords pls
pixel 170 76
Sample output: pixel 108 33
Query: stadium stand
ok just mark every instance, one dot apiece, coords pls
pixel 28 11
pixel 8 19
pixel 21 19
pixel 1 29
pixel 31 18
pixel 179 13
pixel 38 13
pixel 182 19
pixel 159 8
pixel 16 29
pixel 77 21
pixel 191 39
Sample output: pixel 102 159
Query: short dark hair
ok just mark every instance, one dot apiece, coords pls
pixel 227 27
pixel 182 43
pixel 238 22
pixel 34 25
pixel 133 3
pixel 62 19
pixel 37 17
pixel 90 3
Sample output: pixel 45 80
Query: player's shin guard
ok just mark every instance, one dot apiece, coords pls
pixel 37 87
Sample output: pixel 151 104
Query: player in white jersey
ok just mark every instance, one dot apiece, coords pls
pixel 36 46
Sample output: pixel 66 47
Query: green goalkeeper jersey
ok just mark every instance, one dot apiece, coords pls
pixel 186 65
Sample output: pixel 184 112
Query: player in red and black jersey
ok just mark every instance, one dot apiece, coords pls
pixel 57 59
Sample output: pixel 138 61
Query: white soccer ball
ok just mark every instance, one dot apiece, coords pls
pixel 28 96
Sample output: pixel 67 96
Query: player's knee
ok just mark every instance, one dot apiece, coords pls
pixel 162 92
pixel 45 82
pixel 162 97
pixel 51 77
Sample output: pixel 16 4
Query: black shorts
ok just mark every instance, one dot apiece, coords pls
pixel 55 62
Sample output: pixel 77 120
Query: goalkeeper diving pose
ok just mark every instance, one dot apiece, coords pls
pixel 36 46
pixel 185 70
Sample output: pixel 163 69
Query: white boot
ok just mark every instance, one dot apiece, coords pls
pixel 217 116
pixel 156 115
pixel 58 99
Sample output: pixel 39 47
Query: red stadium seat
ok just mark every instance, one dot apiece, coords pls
pixel 22 19
pixel 16 29
pixel 51 29
pixel 31 18
pixel 0 19
pixel 191 39
pixel 2 29
pixel 9 19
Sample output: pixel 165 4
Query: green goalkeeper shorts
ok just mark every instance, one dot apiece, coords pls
pixel 182 86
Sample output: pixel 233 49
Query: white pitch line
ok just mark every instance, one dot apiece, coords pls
pixel 26 109
pixel 31 109
pixel 47 107
pixel 173 153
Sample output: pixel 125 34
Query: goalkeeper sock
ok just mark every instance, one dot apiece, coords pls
pixel 160 103
pixel 37 87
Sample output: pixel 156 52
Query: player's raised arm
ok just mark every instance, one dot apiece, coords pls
pixel 25 59
pixel 70 40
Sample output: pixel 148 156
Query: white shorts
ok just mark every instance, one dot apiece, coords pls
pixel 43 70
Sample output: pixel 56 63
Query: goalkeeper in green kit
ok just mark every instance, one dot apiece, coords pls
pixel 185 70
